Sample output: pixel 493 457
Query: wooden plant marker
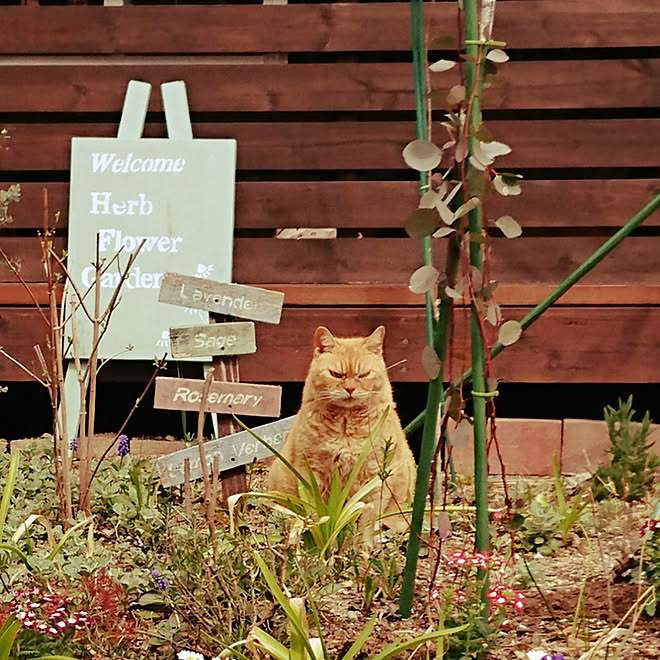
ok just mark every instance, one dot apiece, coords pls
pixel 246 302
pixel 218 338
pixel 223 340
pixel 232 451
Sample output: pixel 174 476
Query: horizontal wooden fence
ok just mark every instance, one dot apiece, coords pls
pixel 319 97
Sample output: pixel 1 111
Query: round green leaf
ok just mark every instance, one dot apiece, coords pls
pixel 431 362
pixel 442 65
pixel 422 155
pixel 497 55
pixel 423 279
pixel 422 222
pixel 505 188
pixel 508 226
pixel 456 95
pixel 494 149
pixel 509 333
pixel 464 209
pixel 443 231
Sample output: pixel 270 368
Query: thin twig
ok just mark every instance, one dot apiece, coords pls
pixel 22 366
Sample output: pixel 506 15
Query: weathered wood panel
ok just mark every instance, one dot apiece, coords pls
pixel 213 339
pixel 328 27
pixel 365 145
pixel 526 260
pixel 395 295
pixel 231 450
pixel 221 298
pixel 98 86
pixel 566 345
pixel 225 398
pixel 383 204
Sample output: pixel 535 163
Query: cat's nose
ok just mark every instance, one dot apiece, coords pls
pixel 349 390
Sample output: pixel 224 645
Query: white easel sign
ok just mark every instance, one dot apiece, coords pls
pixel 176 194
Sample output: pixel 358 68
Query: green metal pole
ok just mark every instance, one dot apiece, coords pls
pixel 475 223
pixel 585 267
pixel 435 334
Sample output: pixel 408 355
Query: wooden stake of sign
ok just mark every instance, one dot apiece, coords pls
pixel 225 369
pixel 213 339
pixel 246 302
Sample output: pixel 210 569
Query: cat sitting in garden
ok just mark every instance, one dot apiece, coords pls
pixel 346 393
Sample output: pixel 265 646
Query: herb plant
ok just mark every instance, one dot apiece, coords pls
pixel 630 472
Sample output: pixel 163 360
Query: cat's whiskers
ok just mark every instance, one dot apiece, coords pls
pixel 397 364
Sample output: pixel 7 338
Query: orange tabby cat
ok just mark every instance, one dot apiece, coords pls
pixel 346 392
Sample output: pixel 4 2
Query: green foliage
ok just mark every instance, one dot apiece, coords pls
pixel 648 569
pixel 542 525
pixel 324 522
pixel 631 469
pixel 304 647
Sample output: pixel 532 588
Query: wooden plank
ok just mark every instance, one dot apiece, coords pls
pixel 322 27
pixel 221 298
pixel 232 451
pixel 366 145
pixel 25 255
pixel 350 204
pixel 226 398
pixel 350 295
pixel 257 261
pixel 20 330
pixel 396 295
pixel 527 260
pixel 570 344
pixel 526 446
pixel 213 339
pixel 323 87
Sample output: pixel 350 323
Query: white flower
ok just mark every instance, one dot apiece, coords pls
pixel 189 655
pixel 535 655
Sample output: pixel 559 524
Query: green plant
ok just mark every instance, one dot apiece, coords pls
pixel 326 521
pixel 649 566
pixel 543 526
pixel 630 472
pixel 304 647
pixel 568 514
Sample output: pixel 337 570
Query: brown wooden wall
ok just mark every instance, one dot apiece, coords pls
pixel 319 97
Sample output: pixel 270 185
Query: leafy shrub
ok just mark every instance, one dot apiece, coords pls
pixel 631 469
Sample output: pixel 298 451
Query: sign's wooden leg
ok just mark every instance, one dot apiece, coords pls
pixel 226 369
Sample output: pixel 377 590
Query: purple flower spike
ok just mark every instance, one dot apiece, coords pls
pixel 159 580
pixel 123 446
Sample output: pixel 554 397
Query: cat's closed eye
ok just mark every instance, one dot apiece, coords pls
pixel 364 374
pixel 335 374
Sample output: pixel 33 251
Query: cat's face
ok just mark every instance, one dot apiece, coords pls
pixel 348 372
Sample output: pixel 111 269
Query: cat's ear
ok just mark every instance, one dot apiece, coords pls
pixel 324 340
pixel 374 342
